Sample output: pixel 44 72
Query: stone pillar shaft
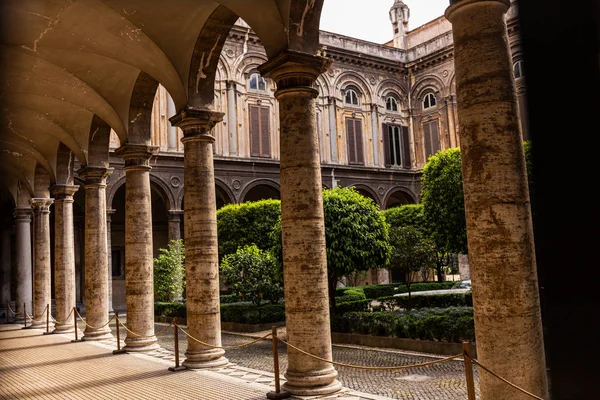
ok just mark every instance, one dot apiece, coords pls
pixel 23 262
pixel 302 223
pixel 64 257
pixel 42 278
pixel 506 302
pixel 5 267
pixel 175 224
pixel 139 284
pixel 232 118
pixel 96 257
pixel 109 214
pixel 200 235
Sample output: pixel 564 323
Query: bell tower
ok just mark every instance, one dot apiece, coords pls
pixel 399 14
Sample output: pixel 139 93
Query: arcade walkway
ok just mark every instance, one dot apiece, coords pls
pixel 37 366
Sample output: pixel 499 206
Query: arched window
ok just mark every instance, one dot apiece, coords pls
pixel 428 101
pixel 351 96
pixel 518 69
pixel 391 104
pixel 257 82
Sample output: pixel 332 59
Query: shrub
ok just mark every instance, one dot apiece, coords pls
pixel 250 313
pixel 239 225
pixel 357 305
pixel 349 298
pixel 254 274
pixel 427 301
pixel 167 309
pixel 169 272
pixel 231 298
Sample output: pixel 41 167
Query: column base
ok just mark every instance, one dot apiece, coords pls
pixel 139 345
pixel 315 383
pixel 41 325
pixel 63 328
pixel 205 359
pixel 97 334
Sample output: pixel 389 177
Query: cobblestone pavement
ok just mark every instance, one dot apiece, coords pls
pixel 442 381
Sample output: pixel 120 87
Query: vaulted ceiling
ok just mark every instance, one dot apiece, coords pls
pixel 72 67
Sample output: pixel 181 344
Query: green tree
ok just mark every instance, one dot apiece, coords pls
pixel 239 225
pixel 355 232
pixel 411 253
pixel 169 271
pixel 254 274
pixel 406 215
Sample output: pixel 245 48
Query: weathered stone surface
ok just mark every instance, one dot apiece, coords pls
pixel 64 257
pixel 500 236
pixel 200 235
pixel 41 264
pixel 138 249
pixel 23 262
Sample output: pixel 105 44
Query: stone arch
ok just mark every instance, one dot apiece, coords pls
pixel 205 57
pixel 99 143
pixel 162 189
pixel 223 69
pixel 65 164
pixel 41 182
pixel 112 190
pixel 367 191
pixel 246 63
pixel 399 196
pixel 228 196
pixel 252 185
pixel 324 86
pixel 427 83
pixel 352 78
pixel 395 88
pixel 140 109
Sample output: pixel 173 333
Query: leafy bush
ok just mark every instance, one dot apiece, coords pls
pixel 254 274
pixel 231 298
pixel 357 305
pixel 348 298
pixel 406 215
pixel 169 272
pixel 427 301
pixel 250 313
pixel 167 309
pixel 239 225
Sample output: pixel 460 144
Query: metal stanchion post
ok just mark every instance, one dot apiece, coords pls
pixel 75 325
pixel 177 367
pixel 277 394
pixel 7 308
pixel 119 350
pixel 47 320
pixel 469 372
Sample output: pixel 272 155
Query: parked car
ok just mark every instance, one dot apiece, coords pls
pixel 463 286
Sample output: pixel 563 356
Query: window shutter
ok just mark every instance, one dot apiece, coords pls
pixel 435 136
pixel 254 131
pixel 427 136
pixel 265 148
pixel 405 147
pixel 351 143
pixel 359 141
pixel 387 151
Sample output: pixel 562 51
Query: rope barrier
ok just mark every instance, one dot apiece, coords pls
pixel 62 322
pixel 224 347
pixel 143 336
pixel 371 368
pixel 32 317
pixel 504 380
pixel 13 311
pixel 94 327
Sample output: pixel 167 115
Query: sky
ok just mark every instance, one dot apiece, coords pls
pixel 369 19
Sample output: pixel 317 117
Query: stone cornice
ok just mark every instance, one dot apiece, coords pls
pixel 197 123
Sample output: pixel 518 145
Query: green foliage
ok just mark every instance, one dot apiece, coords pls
pixel 443 201
pixel 254 274
pixel 169 272
pixel 239 225
pixel 427 301
pixel 411 252
pixel 249 313
pixel 348 298
pixel 357 305
pixel 168 309
pixel 406 215
pixel 230 298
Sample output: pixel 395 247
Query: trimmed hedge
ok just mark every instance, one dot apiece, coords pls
pixel 349 298
pixel 358 305
pixel 427 301
pixel 377 291
pixel 248 313
pixel 170 309
pixel 231 298
pixel 451 324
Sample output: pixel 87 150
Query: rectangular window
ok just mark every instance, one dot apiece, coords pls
pixel 431 133
pixel 259 131
pixel 397 147
pixel 354 138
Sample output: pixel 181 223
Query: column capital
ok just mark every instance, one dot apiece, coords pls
pixel 95 176
pixel 136 156
pixel 230 84
pixel 22 214
pixel 295 71
pixel 456 4
pixel 175 215
pixel 64 192
pixel 197 123
pixel 41 204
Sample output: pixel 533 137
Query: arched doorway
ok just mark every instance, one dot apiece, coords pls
pixel 262 192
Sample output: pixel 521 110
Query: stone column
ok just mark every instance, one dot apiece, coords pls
pixel 375 134
pixel 506 301
pixel 42 278
pixel 302 223
pixel 64 257
pixel 450 115
pixel 5 267
pixel 200 235
pixel 79 261
pixel 175 224
pixel 232 118
pixel 96 257
pixel 333 130
pixel 139 284
pixel 23 262
pixel 171 130
pixel 109 214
